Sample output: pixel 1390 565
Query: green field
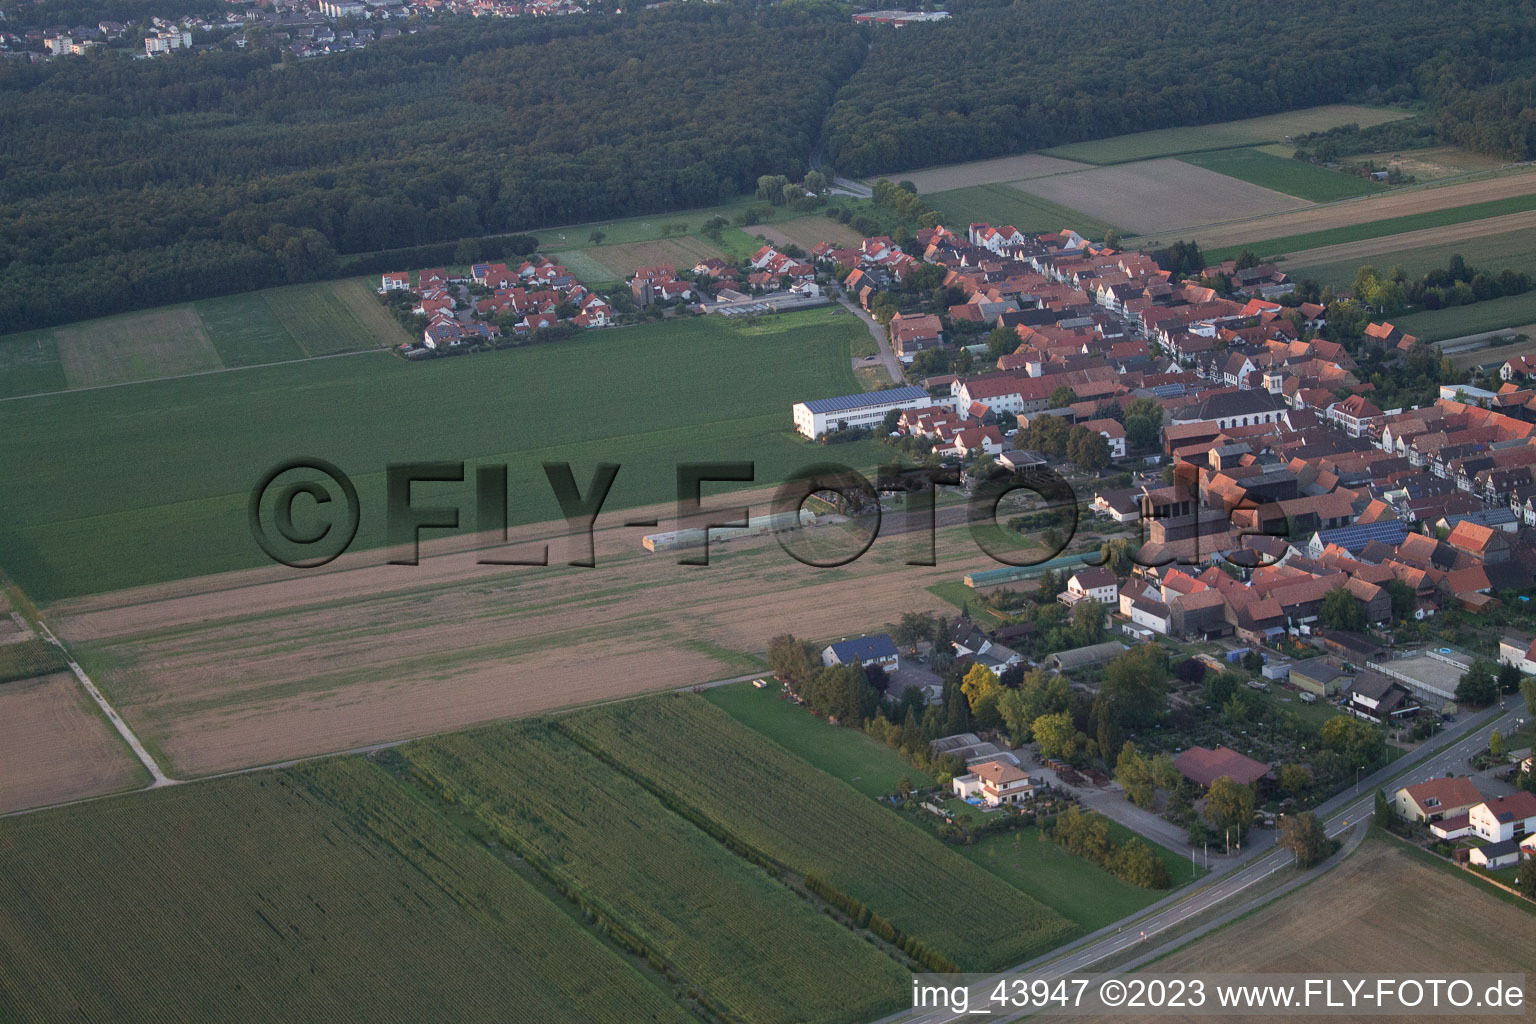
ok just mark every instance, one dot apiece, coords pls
pixel 249 329
pixel 698 757
pixel 318 894
pixel 1293 177
pixel 1076 888
pixel 121 486
pixel 856 758
pixel 1222 135
pixel 1515 250
pixel 1440 324
pixel 1003 204
pixel 27 659
pixel 1378 228
pixel 754 948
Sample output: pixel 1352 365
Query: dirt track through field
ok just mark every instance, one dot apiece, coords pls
pixel 55 747
pixel 228 672
pixel 1365 250
pixel 1354 211
pixel 1155 195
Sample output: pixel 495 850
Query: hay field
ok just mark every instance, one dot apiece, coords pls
pixel 165 342
pixel 260 666
pixel 1381 911
pixel 1158 195
pixel 55 745
pixel 807 232
pixel 984 172
pixel 1224 134
pixel 621 260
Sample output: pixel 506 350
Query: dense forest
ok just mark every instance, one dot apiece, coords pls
pixel 132 183
pixel 1023 76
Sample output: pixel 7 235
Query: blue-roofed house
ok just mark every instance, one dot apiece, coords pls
pixel 879 649
pixel 863 411
pixel 1352 538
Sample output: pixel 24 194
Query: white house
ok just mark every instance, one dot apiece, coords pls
pixel 1504 817
pixel 866 411
pixel 398 282
pixel 994 784
pixel 1519 653
pixel 1099 584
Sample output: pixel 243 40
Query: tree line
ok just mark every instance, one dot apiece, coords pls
pixel 1011 78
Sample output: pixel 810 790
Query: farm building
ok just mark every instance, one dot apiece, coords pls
pixel 857 412
pixel 1081 657
pixel 1496 855
pixel 673 540
pixel 1203 767
pixel 1316 675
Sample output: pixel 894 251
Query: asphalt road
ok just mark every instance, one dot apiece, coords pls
pixel 887 354
pixel 1349 810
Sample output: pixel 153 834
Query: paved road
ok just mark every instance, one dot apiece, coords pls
pixel 1348 811
pixel 887 354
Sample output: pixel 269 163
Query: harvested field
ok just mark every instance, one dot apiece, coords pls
pixel 621 260
pixel 1158 195
pixel 1224 134
pixel 255 667
pixel 1434 162
pixel 1493 244
pixel 56 746
pixel 1368 915
pixel 1398 203
pixel 164 342
pixel 806 232
pixel 984 172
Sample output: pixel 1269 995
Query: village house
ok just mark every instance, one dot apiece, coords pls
pixel 865 651
pixel 995 784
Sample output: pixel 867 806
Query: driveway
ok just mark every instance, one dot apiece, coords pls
pixel 887 354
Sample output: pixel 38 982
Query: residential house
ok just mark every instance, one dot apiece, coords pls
pixel 1504 817
pixel 879 649
pixel 995 784
pixel 1436 799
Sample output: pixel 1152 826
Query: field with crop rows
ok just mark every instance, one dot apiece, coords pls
pixel 28 658
pixel 699 757
pixel 319 894
pixel 754 949
pixel 1292 177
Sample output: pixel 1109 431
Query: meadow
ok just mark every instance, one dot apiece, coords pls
pixel 1074 887
pixel 853 757
pixel 1223 134
pixel 318 894
pixel 1005 204
pixel 696 756
pixel 754 949
pixel 1292 177
pixel 254 328
pixel 146 483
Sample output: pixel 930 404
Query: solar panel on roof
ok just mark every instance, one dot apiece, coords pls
pixel 843 403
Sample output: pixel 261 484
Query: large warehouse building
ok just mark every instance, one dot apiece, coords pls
pixel 816 417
